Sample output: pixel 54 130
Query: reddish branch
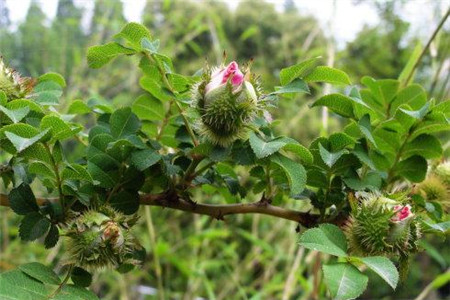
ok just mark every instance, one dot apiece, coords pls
pixel 217 211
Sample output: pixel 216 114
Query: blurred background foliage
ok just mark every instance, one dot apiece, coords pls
pixel 245 257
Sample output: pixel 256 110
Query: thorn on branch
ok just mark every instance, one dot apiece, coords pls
pixel 220 216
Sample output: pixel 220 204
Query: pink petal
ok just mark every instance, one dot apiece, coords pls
pixel 232 72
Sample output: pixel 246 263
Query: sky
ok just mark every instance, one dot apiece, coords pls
pixel 348 21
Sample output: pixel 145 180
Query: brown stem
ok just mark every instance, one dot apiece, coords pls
pixel 217 211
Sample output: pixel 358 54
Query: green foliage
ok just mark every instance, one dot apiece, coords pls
pixel 383 267
pixel 40 272
pixel 22 200
pixel 36 281
pixel 326 238
pixel 344 281
pixel 81 277
pixel 327 74
pixel 177 140
pixel 98 56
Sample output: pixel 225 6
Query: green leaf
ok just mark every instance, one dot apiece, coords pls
pixel 76 172
pixel 295 172
pixel 429 127
pixel 330 158
pixel 21 129
pixel 123 123
pixel 21 103
pixel 383 267
pixel 150 46
pixel 296 86
pixel 21 143
pixel 296 71
pixel 180 83
pixel 154 87
pixel 81 277
pixel 74 292
pixel 301 151
pixel 424 145
pixel 366 128
pixel 327 74
pixel 47 93
pixel 413 95
pixel 344 281
pixel 52 237
pixel 413 168
pixel 383 91
pixel 55 77
pixel 15 115
pixel 316 178
pixel 40 272
pixel 263 149
pixel 16 285
pixel 40 168
pixel 22 200
pixel 371 181
pixel 97 152
pixel 3 98
pixel 144 159
pixel 79 107
pixel 33 226
pixel 133 33
pixel 126 202
pixel 149 108
pixel 37 152
pixel 326 238
pixel 443 227
pixel 340 104
pixel 98 56
pixel 58 152
pixel 417 114
pixel 340 140
pixel 105 179
pixel 59 129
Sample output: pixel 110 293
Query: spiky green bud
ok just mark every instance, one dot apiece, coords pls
pixel 12 84
pixel 101 238
pixel 443 172
pixel 227 102
pixel 381 226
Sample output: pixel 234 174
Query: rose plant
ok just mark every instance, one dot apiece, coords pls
pixel 369 190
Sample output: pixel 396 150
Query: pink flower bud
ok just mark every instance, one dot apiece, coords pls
pixel 401 213
pixel 222 76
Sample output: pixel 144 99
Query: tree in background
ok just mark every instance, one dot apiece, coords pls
pixel 68 40
pixel 6 38
pixel 33 47
pixel 380 50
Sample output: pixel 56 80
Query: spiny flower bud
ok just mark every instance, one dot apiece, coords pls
pixel 101 238
pixel 12 84
pixel 227 101
pixel 382 226
pixel 443 172
pixel 433 189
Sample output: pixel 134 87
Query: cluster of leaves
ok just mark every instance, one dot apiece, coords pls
pixel 36 281
pixel 343 278
pixel 151 147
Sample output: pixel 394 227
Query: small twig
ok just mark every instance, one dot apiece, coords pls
pixel 63 283
pixel 174 92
